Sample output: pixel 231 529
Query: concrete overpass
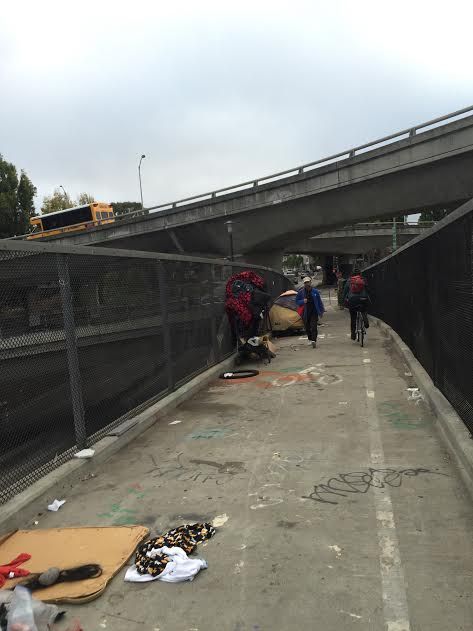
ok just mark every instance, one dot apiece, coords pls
pixel 426 166
pixel 357 239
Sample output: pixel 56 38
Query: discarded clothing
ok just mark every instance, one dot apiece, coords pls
pixel 11 570
pixel 178 567
pixel 151 558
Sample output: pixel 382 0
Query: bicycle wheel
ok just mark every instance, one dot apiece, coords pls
pixel 358 327
pixel 362 335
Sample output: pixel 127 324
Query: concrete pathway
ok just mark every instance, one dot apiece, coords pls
pixel 338 504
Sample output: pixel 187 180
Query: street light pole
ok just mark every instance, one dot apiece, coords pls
pixel 63 190
pixel 229 225
pixel 139 176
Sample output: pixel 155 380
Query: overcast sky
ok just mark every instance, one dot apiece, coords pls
pixel 216 92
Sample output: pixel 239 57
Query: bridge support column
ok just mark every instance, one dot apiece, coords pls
pixel 271 259
pixel 329 278
pixel 345 264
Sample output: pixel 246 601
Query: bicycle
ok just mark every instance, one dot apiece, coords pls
pixel 360 327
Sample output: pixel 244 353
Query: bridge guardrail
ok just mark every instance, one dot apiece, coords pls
pixel 90 336
pixel 424 291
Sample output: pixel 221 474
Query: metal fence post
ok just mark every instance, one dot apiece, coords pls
pixel 163 296
pixel 71 350
pixel 213 319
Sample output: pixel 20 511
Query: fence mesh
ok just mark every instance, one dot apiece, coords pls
pixel 88 340
pixel 425 293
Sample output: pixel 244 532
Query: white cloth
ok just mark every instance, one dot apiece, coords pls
pixel 180 567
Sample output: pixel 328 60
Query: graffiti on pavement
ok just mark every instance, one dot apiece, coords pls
pixel 343 484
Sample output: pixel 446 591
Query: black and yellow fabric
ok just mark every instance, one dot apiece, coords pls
pixel 186 537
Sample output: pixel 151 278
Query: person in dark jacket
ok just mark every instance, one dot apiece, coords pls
pixel 309 298
pixel 356 298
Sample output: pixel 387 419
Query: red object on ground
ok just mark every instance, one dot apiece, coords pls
pixel 12 568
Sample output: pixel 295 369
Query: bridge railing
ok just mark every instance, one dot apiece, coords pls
pixel 387 225
pixel 424 291
pixel 91 336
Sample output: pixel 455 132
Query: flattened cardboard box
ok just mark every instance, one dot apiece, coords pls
pixel 109 546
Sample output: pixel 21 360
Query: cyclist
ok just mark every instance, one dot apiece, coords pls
pixel 356 298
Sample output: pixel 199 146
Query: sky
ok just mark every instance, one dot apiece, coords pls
pixel 215 93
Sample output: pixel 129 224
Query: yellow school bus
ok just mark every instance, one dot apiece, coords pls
pixel 71 220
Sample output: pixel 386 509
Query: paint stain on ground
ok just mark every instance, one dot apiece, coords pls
pixel 210 432
pixel 394 412
pixel 231 467
pixel 287 524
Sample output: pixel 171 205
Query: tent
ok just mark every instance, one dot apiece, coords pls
pixel 283 314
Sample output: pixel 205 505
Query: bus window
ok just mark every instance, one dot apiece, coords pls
pixel 60 220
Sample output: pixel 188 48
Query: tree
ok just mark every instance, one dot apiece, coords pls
pixel 16 200
pixel 25 196
pixel 433 215
pixel 85 198
pixel 293 261
pixel 121 208
pixel 59 200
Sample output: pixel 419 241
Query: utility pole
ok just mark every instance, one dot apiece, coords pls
pixel 229 225
pixel 139 176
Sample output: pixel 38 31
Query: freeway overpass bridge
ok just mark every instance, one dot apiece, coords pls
pixel 357 239
pixel 426 166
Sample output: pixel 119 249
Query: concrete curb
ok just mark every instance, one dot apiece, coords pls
pixel 26 505
pixel 452 430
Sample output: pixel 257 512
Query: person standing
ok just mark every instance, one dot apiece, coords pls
pixel 309 299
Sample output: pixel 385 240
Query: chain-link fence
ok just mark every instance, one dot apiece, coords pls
pixel 425 293
pixel 89 338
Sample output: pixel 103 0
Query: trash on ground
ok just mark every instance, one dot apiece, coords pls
pixel 165 557
pixel 85 550
pixel 44 615
pixel 174 422
pixel 254 348
pixel 414 394
pixel 85 453
pixel 220 520
pixel 20 613
pixel 56 505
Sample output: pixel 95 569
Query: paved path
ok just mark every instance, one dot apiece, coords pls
pixel 340 507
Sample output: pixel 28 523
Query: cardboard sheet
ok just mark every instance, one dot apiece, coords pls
pixel 110 547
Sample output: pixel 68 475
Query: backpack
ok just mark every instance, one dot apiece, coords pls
pixel 357 284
